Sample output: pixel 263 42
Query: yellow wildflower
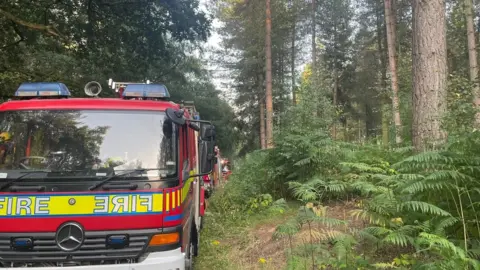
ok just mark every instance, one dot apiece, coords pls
pixel 262 260
pixel 397 220
pixel 215 243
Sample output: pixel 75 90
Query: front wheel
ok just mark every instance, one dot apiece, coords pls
pixel 195 241
pixel 189 257
pixel 192 248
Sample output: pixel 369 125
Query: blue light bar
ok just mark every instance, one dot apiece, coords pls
pixel 146 90
pixel 42 89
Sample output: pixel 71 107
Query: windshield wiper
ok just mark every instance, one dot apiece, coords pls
pixel 104 181
pixel 25 174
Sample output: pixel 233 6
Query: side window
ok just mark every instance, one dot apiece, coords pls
pixel 186 165
pixel 191 142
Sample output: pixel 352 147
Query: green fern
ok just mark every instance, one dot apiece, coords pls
pixel 432 241
pixel 362 167
pixel 423 207
pixel 343 246
pixel 303 192
pixel 442 224
pixel 371 217
pixel 288 228
pixel 398 239
pixel 303 162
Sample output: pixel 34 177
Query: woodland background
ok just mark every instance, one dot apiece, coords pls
pixel 363 106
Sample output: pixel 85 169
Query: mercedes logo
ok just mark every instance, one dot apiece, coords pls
pixel 69 236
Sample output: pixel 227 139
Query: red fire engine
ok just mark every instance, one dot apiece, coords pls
pixel 101 183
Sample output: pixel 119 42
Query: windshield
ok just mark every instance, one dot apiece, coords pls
pixel 87 140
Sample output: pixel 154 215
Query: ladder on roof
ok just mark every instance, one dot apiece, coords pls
pixel 121 85
pixel 192 111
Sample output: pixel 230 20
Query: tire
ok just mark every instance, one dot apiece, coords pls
pixel 195 241
pixel 189 257
pixel 192 248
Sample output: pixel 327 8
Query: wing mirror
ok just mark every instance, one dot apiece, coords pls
pixel 207 147
pixel 176 116
pixel 207 140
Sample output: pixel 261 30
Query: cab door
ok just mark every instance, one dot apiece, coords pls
pixel 197 188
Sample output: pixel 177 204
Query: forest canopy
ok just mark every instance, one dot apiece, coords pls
pixel 77 41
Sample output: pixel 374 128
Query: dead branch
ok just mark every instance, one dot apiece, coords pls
pixel 50 29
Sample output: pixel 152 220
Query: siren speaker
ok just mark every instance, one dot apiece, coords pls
pixel 93 89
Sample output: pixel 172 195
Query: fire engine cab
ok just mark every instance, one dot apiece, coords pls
pixel 101 183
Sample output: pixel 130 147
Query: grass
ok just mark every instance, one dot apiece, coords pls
pixel 242 241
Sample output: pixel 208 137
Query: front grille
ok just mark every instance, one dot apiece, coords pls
pixel 45 251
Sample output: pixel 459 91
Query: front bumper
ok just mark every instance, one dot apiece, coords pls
pixel 164 260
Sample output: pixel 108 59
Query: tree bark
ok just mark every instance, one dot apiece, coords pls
pixel 472 47
pixel 385 125
pixel 314 44
pixel 472 53
pixel 263 144
pixel 392 59
pixel 381 36
pixel 429 73
pixel 268 95
pixel 334 94
pixel 294 35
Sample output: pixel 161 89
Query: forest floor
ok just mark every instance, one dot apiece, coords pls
pixel 249 244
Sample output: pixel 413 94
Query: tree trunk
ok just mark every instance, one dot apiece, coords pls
pixel 429 73
pixel 370 124
pixel 268 95
pixel 294 35
pixel 262 124
pixel 385 125
pixel 472 53
pixel 383 66
pixel 334 93
pixel 392 59
pixel 314 44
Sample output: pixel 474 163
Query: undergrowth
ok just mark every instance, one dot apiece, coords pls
pixel 420 211
pixel 227 225
pixel 416 210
